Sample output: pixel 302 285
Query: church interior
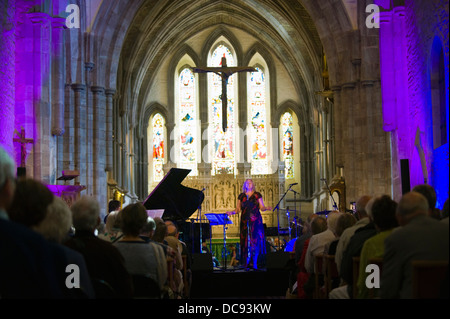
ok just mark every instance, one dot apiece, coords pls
pixel 325 101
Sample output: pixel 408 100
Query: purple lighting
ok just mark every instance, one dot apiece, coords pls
pixel 7 70
pixel 407 97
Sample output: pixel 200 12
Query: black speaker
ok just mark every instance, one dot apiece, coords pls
pixel 277 260
pixel 404 171
pixel 202 262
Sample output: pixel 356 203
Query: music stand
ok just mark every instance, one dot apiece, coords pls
pixel 221 219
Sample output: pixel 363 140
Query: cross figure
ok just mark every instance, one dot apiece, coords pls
pixel 23 145
pixel 224 72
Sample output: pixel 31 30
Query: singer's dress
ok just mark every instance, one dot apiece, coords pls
pixel 252 231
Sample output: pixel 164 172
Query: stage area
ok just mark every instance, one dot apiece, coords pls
pixel 236 282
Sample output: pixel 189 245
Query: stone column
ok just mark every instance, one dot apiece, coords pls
pixel 7 74
pixel 325 159
pixel 337 120
pixel 58 75
pixel 44 154
pixel 88 118
pixel 80 131
pixel 98 141
pixel 109 129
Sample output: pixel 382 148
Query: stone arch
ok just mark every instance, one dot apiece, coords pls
pixel 213 36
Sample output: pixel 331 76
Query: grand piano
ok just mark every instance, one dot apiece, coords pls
pixel 179 203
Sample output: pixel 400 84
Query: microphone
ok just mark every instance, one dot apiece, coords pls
pixel 293 184
pixel 323 179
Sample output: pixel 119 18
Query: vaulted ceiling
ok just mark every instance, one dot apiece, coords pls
pixel 150 31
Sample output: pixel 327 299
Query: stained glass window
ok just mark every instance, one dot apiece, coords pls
pixel 258 128
pixel 187 121
pixel 287 135
pixel 158 147
pixel 223 153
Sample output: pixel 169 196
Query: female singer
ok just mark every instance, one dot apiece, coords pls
pixel 252 239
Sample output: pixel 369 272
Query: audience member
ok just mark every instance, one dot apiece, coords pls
pixel 317 242
pixel 148 230
pixel 306 234
pixel 430 194
pixel 55 228
pixel 161 252
pixel 381 211
pixel 318 225
pixel 112 228
pixel 105 263
pixel 316 246
pixel 27 270
pixel 50 216
pixel 363 220
pixel 419 237
pixel 160 231
pixel 113 206
pixel 140 257
pixel 353 249
pixel 344 221
pixel 175 244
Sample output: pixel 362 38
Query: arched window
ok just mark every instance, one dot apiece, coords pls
pixel 158 149
pixel 223 144
pixel 187 119
pixel 258 122
pixel 287 138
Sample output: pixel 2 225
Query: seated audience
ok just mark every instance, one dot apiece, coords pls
pixel 353 249
pixel 430 194
pixel 175 244
pixel 113 206
pixel 50 216
pixel 318 241
pixel 344 239
pixel 160 249
pixel 381 211
pixel 316 246
pixel 306 234
pixel 140 257
pixel 27 268
pixel 318 225
pixel 55 227
pixel 419 237
pixel 112 231
pixel 105 263
pixel 344 221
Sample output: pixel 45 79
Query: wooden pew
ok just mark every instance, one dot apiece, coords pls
pixel 427 278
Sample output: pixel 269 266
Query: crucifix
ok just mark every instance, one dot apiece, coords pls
pixel 224 72
pixel 23 147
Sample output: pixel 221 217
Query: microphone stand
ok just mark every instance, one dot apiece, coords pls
pixel 331 195
pixel 295 212
pixel 277 207
pixel 199 217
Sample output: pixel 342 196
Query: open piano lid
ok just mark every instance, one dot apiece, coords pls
pixel 179 202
